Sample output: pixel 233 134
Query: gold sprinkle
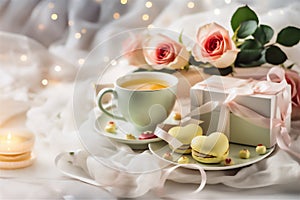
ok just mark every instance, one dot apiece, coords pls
pixel 83 31
pixel 177 116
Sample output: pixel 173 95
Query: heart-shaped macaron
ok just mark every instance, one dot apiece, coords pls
pixel 210 149
pixel 185 134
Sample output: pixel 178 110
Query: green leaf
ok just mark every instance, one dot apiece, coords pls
pixel 288 36
pixel 251 54
pixel 254 63
pixel 250 44
pixel 275 56
pixel 218 71
pixel 246 28
pixel 242 14
pixel 263 34
pixel 290 66
pixel 180 37
pixel 248 55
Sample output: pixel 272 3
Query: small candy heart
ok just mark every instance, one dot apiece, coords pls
pixel 210 149
pixel 185 135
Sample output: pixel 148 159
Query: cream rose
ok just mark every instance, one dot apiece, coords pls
pixel 293 78
pixel 214 46
pixel 162 52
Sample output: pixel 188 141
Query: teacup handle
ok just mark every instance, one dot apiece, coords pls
pixel 101 94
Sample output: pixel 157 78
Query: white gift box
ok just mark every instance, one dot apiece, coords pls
pixel 240 129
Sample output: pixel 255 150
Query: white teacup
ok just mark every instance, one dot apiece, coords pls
pixel 144 99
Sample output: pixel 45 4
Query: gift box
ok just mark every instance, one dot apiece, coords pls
pixel 249 112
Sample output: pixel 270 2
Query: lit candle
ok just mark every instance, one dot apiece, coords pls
pixel 12 143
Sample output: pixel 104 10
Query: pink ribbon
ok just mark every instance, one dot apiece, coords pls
pixel 168 171
pixel 161 131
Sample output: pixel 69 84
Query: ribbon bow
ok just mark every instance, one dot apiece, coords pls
pixel 256 87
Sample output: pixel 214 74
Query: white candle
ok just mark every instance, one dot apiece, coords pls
pixel 15 142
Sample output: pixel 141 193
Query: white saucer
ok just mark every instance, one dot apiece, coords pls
pixel 124 128
pixel 160 148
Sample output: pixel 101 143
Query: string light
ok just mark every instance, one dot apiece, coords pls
pixel 105 58
pixel 70 23
pixel 116 15
pixel 148 4
pixel 190 4
pixel 54 16
pixel 123 2
pixel 113 62
pixel 270 13
pixel 81 61
pixel 41 27
pixel 23 58
pixel 217 11
pixel 83 31
pixel 281 12
pixel 150 26
pixel 57 68
pixel 77 35
pixel 145 17
pixel 228 1
pixel 51 5
pixel 44 82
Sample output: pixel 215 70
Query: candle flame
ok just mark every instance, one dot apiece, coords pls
pixel 9 136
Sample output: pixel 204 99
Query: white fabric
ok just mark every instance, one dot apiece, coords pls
pixel 56 112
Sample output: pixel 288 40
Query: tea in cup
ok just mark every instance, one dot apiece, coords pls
pixel 143 99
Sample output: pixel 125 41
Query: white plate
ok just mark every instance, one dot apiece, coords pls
pixel 124 128
pixel 160 148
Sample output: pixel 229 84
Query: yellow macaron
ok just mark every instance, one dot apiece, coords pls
pixel 210 149
pixel 185 135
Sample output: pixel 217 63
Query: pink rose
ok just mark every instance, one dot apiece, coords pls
pixel 293 79
pixel 214 46
pixel 133 51
pixel 162 52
